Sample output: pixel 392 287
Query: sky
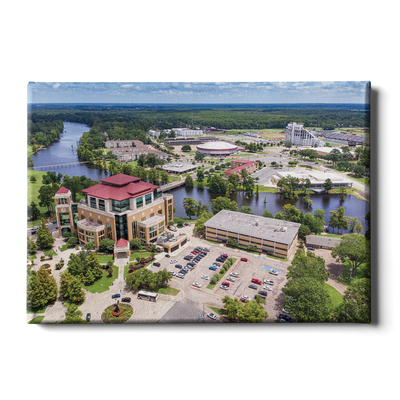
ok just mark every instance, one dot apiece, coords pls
pixel 201 92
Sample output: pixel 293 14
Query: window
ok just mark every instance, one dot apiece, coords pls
pixel 151 215
pixel 120 206
pixel 160 211
pixel 139 202
pixel 134 229
pixel 93 202
pixel 99 222
pixel 121 226
pixel 64 219
pixel 75 214
pixel 148 198
pixel 102 205
pixel 82 216
pixel 62 201
pixel 109 231
pixel 169 213
pixel 142 233
pixel 161 227
pixel 143 219
pixel 156 194
pixel 91 219
pixel 101 235
pixel 153 231
pixel 81 235
pixel 89 237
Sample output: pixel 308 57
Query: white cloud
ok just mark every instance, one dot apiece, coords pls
pixel 126 86
pixel 56 85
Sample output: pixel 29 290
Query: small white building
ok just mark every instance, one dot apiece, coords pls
pixel 187 132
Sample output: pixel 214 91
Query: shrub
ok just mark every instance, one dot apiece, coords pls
pixel 42 257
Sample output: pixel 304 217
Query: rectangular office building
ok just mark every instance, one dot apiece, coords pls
pixel 273 236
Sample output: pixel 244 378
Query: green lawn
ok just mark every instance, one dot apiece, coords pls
pixel 31 310
pixel 66 246
pixel 217 310
pixel 142 255
pixel 362 272
pixel 104 258
pixel 103 284
pixel 364 181
pixel 31 257
pixel 335 296
pixel 168 290
pixel 36 320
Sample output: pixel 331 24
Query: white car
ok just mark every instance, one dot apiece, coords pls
pixel 173 262
pixel 172 273
pixel 197 284
pixel 245 297
pixel 235 274
pixel 273 272
pixel 230 279
pixel 205 277
pixel 211 315
pixel 267 288
pixel 285 311
pixel 180 275
pixel 224 287
pixel 268 282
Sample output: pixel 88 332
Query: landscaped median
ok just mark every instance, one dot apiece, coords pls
pixel 224 269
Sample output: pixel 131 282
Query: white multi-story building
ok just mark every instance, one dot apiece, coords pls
pixel 188 132
pixel 299 136
pixel 154 133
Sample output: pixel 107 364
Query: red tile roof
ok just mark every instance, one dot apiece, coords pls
pixel 240 167
pixel 121 243
pixel 62 190
pixel 120 179
pixel 133 187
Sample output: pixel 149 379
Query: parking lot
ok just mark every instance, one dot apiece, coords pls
pixel 252 269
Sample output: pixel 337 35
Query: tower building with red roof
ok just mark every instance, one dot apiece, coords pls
pixel 119 207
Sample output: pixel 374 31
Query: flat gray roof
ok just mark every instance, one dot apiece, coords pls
pixel 322 240
pixel 274 230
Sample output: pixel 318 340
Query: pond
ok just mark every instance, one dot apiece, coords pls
pixel 328 202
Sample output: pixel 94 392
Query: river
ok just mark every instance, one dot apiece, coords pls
pixel 61 152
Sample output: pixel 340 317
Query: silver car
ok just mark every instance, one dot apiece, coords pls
pixel 268 282
pixel 205 277
pixel 267 288
pixel 273 272
pixel 235 274
pixel 230 279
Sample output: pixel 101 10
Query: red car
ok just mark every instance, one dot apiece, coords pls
pixel 256 281
pixel 194 252
pixel 243 259
pixel 225 284
pixel 224 255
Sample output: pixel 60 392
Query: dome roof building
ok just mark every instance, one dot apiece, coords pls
pixel 217 148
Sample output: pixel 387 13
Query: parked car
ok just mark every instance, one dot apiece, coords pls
pixel 285 317
pixel 115 296
pixel 178 266
pixel 88 317
pixel 267 287
pixel 285 311
pixel 229 278
pixel 244 298
pixel 268 282
pixel 156 264
pixel 206 277
pixel 252 286
pixel 168 255
pixel 263 292
pixel 126 299
pixel 206 249
pixel 244 259
pixel 180 275
pixel 311 248
pixel 256 281
pixel 211 315
pixel 235 274
pixel 213 268
pixel 187 258
pixel 172 273
pixel 273 271
pixel 197 284
pixel 259 295
pixel 224 287
pixel 217 264
pixel 226 283
pixel 173 261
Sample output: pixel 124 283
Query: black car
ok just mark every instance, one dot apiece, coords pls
pixel 191 263
pixel 252 286
pixel 88 317
pixel 126 299
pixel 311 248
pixel 156 264
pixel 259 295
pixel 115 296
pixel 285 317
pixel 178 266
pixel 263 292
pixel 187 258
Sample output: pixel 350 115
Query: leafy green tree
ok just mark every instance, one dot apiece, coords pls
pixel 335 155
pixel 163 277
pixel 153 176
pixel 142 160
pixel 93 265
pixel 293 214
pixel 48 283
pixel 319 221
pixel 357 305
pixel 72 241
pixel 200 175
pixel 368 219
pixel 35 292
pixel 328 185
pixel 74 184
pixel 135 244
pixel 31 246
pixel 304 230
pixel 46 196
pixel 164 177
pixel 358 171
pixel 190 206
pixel 44 239
pixel 202 219
pixel 343 222
pixel 89 278
pixel 353 223
pixel 75 291
pixel 73 315
pixel 246 210
pixel 201 208
pixel 64 284
pixel 334 220
pixel 186 148
pixel 33 211
pixel 88 246
pixel 106 245
pixel 309 221
pixel 312 301
pixel 267 214
pixel 250 311
pixel 223 203
pixel 217 184
pixel 308 265
pixel 189 181
pixel 353 248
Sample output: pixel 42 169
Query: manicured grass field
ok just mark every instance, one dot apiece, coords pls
pixel 103 284
pixel 37 320
pixel 64 247
pixel 335 296
pixel 217 310
pixel 142 255
pixel 31 310
pixel 168 290
pixel 362 271
pixel 104 258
